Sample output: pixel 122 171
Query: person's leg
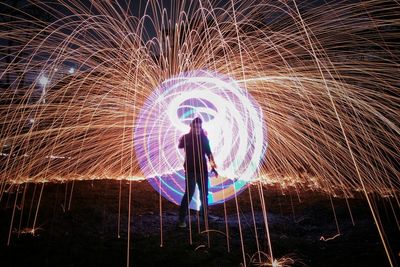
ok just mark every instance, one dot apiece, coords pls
pixel 202 183
pixel 187 197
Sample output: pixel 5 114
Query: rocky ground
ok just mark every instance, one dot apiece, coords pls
pixel 86 229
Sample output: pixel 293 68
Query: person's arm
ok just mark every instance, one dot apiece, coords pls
pixel 209 154
pixel 181 142
pixel 212 161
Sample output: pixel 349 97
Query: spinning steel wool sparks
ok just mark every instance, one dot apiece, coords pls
pixel 323 79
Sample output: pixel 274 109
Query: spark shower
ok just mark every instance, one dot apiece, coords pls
pixel 324 76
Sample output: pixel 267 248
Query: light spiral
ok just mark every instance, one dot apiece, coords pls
pixel 232 121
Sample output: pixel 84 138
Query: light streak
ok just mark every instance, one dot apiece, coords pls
pixel 322 238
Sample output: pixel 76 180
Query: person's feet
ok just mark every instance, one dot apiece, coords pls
pixel 210 217
pixel 181 224
pixel 213 218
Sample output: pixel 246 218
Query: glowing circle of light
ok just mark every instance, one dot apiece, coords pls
pixel 232 121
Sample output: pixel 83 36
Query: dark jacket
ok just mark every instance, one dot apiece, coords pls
pixel 196 148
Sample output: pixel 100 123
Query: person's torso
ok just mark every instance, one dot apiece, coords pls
pixel 195 152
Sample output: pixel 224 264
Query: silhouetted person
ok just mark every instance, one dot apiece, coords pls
pixel 197 147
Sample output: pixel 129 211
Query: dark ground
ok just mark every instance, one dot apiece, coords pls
pixel 87 234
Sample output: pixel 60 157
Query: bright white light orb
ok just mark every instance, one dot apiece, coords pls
pixel 43 80
pixel 232 121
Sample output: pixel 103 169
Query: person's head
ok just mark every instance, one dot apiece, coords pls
pixel 195 125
